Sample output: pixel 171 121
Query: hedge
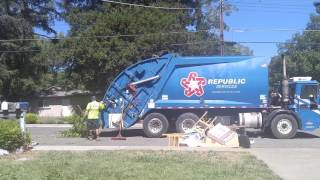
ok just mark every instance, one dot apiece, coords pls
pixel 11 137
pixel 32 118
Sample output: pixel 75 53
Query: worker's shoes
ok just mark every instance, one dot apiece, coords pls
pixel 90 136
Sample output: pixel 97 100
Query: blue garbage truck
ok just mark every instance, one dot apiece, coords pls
pixel 174 91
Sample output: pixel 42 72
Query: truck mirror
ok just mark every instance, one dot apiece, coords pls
pixel 313 104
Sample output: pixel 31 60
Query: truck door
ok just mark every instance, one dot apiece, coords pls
pixel 306 101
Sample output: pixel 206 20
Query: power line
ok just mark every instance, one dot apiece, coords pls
pixel 277 3
pixel 283 10
pixel 272 29
pixel 180 44
pixel 105 36
pixel 145 6
pixel 236 30
pixel 250 9
pixel 20 51
pixel 273 5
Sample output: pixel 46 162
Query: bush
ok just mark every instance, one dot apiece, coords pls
pixel 11 137
pixel 31 118
pixel 78 129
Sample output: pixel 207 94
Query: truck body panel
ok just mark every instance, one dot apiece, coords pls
pixel 175 82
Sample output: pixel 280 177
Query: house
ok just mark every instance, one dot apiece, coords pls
pixel 56 102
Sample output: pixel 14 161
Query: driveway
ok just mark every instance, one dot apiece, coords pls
pixel 291 163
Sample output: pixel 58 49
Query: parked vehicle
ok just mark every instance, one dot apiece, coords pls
pixel 175 91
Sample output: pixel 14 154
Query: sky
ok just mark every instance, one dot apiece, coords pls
pixel 266 16
pixel 259 21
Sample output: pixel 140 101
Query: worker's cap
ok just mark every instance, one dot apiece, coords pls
pixel 93 98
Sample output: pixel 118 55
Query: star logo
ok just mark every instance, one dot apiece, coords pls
pixel 193 84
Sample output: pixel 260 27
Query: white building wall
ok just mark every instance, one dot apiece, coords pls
pixel 55 111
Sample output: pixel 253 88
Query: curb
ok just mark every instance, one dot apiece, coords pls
pixel 133 148
pixel 48 125
pixel 138 125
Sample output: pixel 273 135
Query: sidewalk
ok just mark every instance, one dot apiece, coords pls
pixel 133 148
pixel 291 163
pixel 48 125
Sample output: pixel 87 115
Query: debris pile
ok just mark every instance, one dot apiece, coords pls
pixel 205 133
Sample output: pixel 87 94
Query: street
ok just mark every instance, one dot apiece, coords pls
pixel 135 137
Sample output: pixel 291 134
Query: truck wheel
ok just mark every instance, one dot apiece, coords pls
pixel 155 124
pixel 186 121
pixel 284 126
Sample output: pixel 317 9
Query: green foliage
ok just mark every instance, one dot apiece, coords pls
pixel 37 13
pixel 302 54
pixel 99 53
pixel 78 129
pixel 21 73
pixel 11 137
pixel 32 118
pixel 95 59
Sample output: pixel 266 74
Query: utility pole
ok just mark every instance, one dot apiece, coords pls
pixel 221 28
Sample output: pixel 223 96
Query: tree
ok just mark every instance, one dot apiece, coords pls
pixel 20 71
pixel 112 36
pixel 302 52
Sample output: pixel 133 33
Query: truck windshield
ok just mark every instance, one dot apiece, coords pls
pixel 308 90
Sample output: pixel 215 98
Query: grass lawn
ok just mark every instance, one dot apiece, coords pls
pixel 134 165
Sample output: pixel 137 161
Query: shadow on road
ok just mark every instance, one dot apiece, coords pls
pixel 251 134
pixel 300 135
pixel 125 133
pixel 303 135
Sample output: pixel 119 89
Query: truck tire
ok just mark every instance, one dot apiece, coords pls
pixel 284 126
pixel 186 121
pixel 155 124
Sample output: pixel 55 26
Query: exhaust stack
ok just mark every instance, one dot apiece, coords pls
pixel 285 85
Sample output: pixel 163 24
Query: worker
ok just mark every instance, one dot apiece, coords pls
pixel 92 115
pixel 275 98
pixel 102 106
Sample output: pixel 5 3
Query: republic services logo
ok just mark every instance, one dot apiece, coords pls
pixel 193 84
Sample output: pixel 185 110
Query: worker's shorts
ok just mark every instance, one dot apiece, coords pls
pixel 93 124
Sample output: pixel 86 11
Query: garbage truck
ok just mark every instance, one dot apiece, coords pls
pixel 174 91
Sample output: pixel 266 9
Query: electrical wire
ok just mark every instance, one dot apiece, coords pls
pixel 275 3
pixel 104 36
pixel 236 30
pixel 180 44
pixel 239 30
pixel 145 6
pixel 286 6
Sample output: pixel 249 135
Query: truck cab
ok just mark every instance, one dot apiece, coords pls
pixel 304 101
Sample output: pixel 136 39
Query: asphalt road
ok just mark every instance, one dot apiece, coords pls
pixel 135 137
